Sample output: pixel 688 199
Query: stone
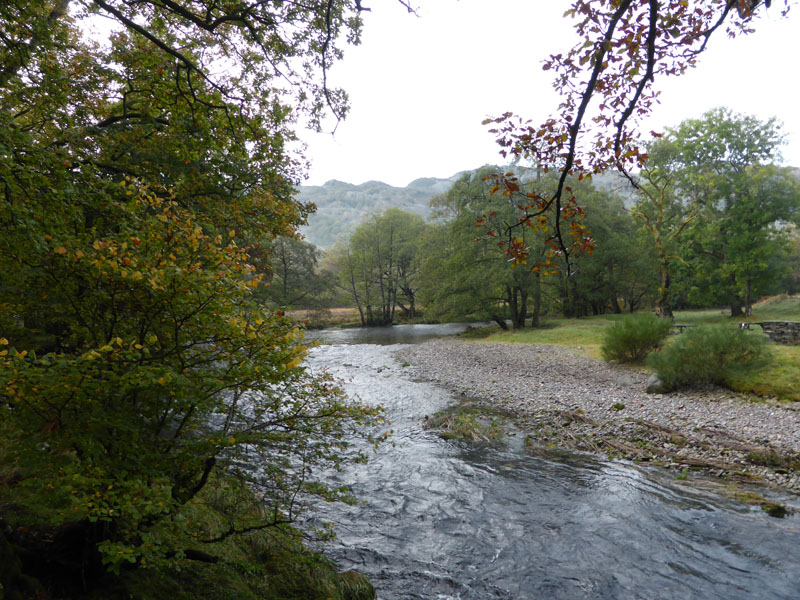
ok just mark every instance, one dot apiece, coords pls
pixel 656 386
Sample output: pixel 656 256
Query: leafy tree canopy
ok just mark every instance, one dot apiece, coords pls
pixel 135 366
pixel 607 82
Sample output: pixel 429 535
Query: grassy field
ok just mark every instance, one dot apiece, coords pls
pixel 780 380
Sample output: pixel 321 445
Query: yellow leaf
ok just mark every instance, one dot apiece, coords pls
pixel 61 250
pixel 3 342
pixel 232 233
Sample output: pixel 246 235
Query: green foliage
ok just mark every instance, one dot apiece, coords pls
pixel 465 278
pixel 635 336
pixel 710 354
pixel 377 266
pixel 269 564
pixel 295 280
pixel 139 184
pixel 735 251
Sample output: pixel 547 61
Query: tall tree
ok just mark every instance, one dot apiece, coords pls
pixel 725 169
pixel 295 279
pixel 468 279
pixel 135 367
pixel 664 213
pixel 615 276
pixel 377 265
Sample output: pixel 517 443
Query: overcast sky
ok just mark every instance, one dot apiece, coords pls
pixel 420 86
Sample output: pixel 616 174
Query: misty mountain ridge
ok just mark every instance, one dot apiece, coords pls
pixel 342 206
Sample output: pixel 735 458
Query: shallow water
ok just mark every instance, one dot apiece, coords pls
pixel 445 520
pixel 394 334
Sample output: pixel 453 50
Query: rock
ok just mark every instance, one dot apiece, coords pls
pixel 656 386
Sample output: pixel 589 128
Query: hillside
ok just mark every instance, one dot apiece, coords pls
pixel 342 206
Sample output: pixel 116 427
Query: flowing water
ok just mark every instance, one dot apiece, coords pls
pixel 444 520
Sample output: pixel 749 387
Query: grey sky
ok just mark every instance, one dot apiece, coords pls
pixel 420 86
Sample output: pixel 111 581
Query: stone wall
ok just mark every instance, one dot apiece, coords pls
pixel 782 332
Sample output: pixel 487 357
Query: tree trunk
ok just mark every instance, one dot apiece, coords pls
pixel 735 301
pixel 537 301
pixel 522 308
pixel 748 299
pixel 501 322
pixel 663 306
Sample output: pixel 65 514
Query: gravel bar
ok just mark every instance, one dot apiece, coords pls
pixel 560 397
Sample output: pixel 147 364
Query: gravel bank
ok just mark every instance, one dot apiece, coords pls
pixel 561 397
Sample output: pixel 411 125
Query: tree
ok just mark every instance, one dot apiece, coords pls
pixel 624 47
pixel 463 279
pixel 616 275
pixel 295 278
pixel 742 199
pixel 663 212
pixel 135 367
pixel 377 267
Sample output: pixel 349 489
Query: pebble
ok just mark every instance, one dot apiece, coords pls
pixel 544 382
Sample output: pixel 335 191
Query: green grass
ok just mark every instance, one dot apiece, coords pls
pixel 780 380
pixel 586 333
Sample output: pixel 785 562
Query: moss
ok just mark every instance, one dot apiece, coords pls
pixel 465 427
pixel 778 462
pixel 678 440
pixel 471 421
pixel 355 586
pixel 773 509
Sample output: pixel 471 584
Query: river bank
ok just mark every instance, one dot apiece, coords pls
pixel 559 397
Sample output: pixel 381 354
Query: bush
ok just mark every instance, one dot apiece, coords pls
pixel 634 337
pixel 710 354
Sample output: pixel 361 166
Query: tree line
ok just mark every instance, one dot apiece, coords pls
pixel 710 220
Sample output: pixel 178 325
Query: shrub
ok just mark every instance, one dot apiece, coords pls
pixel 710 354
pixel 634 337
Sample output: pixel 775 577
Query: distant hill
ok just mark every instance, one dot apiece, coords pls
pixel 342 206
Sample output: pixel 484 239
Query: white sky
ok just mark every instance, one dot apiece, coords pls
pixel 420 86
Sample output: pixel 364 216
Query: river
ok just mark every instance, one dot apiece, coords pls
pixel 444 520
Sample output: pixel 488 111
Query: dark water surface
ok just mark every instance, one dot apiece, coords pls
pixel 443 520
pixel 394 334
